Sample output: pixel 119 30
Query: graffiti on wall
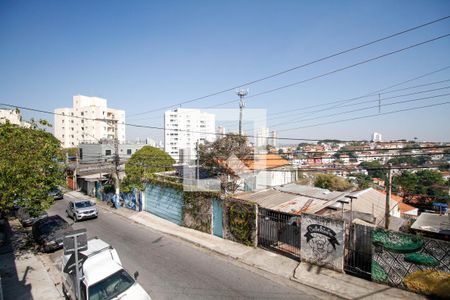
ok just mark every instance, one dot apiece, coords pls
pixel 411 262
pixel 322 241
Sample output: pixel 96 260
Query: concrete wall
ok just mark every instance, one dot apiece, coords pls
pixel 93 153
pixel 322 241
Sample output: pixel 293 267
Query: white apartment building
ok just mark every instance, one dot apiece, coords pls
pixel 83 122
pixel 13 117
pixel 273 139
pixel 262 138
pixel 183 128
pixel 376 137
pixel 10 115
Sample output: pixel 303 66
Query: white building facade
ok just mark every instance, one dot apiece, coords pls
pixel 84 122
pixel 376 137
pixel 183 128
pixel 10 115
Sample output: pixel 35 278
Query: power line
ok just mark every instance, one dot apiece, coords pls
pixel 349 67
pixel 296 67
pixel 348 100
pixel 368 116
pixel 365 108
pixel 219 134
pixel 354 98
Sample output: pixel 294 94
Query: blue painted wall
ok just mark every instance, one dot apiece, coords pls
pixel 165 202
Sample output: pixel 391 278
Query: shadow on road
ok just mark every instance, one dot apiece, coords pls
pixel 13 286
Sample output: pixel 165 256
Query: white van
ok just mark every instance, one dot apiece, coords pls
pixel 103 277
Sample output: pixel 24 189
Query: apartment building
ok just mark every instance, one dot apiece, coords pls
pixel 183 128
pixel 9 115
pixel 89 120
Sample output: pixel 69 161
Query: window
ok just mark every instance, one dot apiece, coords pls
pixel 129 151
pixel 107 152
pixel 81 153
pixel 82 113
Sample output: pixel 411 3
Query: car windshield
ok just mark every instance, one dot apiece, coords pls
pixel 111 286
pixel 83 204
pixel 52 224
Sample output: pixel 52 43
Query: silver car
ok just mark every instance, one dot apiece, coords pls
pixel 81 209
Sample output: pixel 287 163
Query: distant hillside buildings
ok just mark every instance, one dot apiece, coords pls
pixel 89 120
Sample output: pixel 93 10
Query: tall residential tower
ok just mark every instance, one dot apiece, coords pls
pixel 89 120
pixel 183 128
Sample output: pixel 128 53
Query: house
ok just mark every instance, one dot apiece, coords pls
pixel 104 151
pixel 261 171
pixel 268 170
pixel 371 203
pixel 433 225
pixel 280 201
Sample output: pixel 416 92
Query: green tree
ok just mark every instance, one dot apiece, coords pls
pixel 71 151
pixel 143 164
pixel 424 186
pixel 332 182
pixel 214 156
pixel 29 167
pixel 363 181
pixel 374 169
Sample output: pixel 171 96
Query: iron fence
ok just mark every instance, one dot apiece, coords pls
pixel 358 252
pixel 279 232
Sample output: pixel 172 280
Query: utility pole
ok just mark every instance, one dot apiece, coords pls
pixel 116 156
pixel 388 198
pixel 241 93
pixel 198 163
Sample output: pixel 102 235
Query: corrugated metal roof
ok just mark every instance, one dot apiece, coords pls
pixel 370 200
pixel 433 223
pixel 281 201
pixel 310 191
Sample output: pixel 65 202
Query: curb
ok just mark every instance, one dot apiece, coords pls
pixel 236 258
pixel 292 278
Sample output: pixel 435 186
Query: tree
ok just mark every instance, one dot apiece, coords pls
pixel 363 181
pixel 29 167
pixel 332 182
pixel 374 169
pixel 143 164
pixel 424 186
pixel 214 156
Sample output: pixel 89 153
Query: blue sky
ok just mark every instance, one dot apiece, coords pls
pixel 143 55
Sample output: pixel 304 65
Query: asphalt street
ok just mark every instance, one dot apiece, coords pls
pixel 170 268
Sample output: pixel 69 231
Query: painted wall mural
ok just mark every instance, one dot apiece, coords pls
pixel 411 262
pixel 322 241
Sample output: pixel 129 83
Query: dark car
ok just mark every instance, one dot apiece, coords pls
pixel 28 217
pixel 56 194
pixel 49 232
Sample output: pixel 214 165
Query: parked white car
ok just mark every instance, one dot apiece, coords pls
pixel 81 209
pixel 103 277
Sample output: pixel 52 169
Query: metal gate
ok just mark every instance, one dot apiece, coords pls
pixel 164 202
pixel 217 218
pixel 279 232
pixel 358 258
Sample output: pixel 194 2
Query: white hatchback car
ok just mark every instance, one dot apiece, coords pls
pixel 81 209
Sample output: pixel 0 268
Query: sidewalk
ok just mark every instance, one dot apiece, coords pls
pixel 325 280
pixel 23 275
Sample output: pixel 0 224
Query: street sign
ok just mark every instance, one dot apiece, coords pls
pixel 71 265
pixel 74 242
pixel 69 241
